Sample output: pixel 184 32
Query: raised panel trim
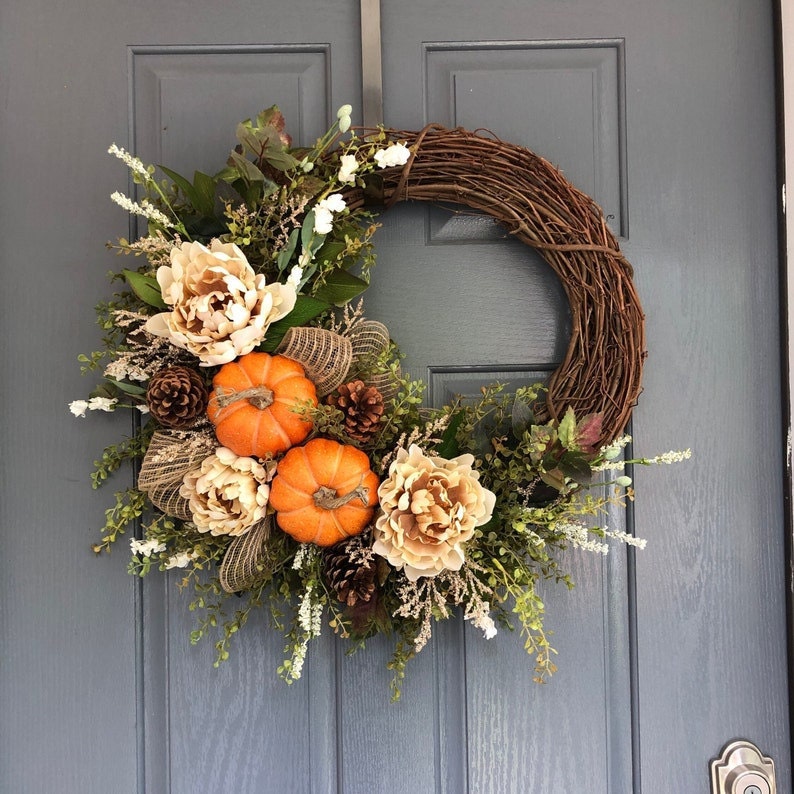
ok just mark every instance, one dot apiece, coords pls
pixel 153 595
pixel 618 44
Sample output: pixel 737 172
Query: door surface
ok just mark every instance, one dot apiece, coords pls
pixel 664 113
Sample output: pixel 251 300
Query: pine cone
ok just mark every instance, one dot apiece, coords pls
pixel 177 397
pixel 350 571
pixel 362 406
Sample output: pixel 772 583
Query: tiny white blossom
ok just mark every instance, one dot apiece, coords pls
pixel 180 560
pixel 323 220
pixel 144 208
pixel 144 409
pixel 146 547
pixel 347 168
pixel 624 537
pixel 394 154
pixel 305 259
pixel 295 276
pixel 133 163
pixel 480 617
pixel 673 456
pixel 78 407
pixel 301 555
pixel 324 212
pixel 102 403
pixel 305 610
pixel 335 202
pixel 488 628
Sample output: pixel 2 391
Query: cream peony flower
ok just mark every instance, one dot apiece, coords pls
pixel 221 309
pixel 228 494
pixel 431 507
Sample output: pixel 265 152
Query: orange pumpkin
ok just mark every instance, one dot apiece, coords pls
pixel 324 492
pixel 253 401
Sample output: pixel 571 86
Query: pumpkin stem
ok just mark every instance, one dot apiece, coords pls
pixel 326 497
pixel 259 396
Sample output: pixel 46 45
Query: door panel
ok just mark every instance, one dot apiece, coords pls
pixel 664 113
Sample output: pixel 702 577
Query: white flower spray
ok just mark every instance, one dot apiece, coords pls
pixel 310 612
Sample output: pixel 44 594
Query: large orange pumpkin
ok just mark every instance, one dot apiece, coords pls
pixel 324 492
pixel 253 404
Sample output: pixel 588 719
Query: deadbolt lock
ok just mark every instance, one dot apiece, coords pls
pixel 742 769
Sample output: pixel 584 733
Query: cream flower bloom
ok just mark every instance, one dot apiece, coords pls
pixel 221 309
pixel 431 507
pixel 393 154
pixel 324 212
pixel 228 494
pixel 347 168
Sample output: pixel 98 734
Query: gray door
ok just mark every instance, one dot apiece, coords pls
pixel 664 113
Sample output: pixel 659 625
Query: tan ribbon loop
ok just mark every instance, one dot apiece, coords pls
pixel 369 339
pixel 326 356
pixel 245 561
pixel 171 455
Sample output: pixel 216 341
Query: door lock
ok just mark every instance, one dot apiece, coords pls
pixel 742 769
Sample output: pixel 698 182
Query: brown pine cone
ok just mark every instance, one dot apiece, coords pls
pixel 350 571
pixel 362 406
pixel 177 397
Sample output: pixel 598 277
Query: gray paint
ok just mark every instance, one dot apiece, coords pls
pixel 664 112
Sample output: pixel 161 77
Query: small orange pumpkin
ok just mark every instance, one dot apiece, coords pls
pixel 324 492
pixel 253 401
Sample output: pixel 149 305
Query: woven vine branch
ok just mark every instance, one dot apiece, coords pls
pixel 532 200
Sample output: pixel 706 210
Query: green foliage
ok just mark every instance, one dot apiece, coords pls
pixel 115 455
pixel 129 507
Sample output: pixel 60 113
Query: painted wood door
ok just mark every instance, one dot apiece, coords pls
pixel 664 113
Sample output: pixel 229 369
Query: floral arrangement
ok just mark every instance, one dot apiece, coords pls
pixel 284 457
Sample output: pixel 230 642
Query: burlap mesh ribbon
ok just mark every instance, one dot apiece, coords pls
pixel 369 339
pixel 326 356
pixel 245 561
pixel 171 455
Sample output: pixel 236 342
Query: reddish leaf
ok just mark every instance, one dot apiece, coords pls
pixel 588 432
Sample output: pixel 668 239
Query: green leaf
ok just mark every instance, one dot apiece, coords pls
pixel 287 251
pixel 127 388
pixel 554 479
pixel 247 170
pixel 205 189
pixel 283 161
pixel 340 287
pixel 521 417
pixel 307 232
pixel 576 467
pixel 449 448
pixel 184 185
pixel 566 432
pixel 145 287
pixel 104 390
pixel 306 309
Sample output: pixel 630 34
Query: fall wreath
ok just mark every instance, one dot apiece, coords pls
pixel 283 455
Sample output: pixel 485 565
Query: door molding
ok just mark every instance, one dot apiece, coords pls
pixel 785 97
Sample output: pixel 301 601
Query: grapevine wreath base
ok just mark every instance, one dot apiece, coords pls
pixel 532 200
pixel 284 456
